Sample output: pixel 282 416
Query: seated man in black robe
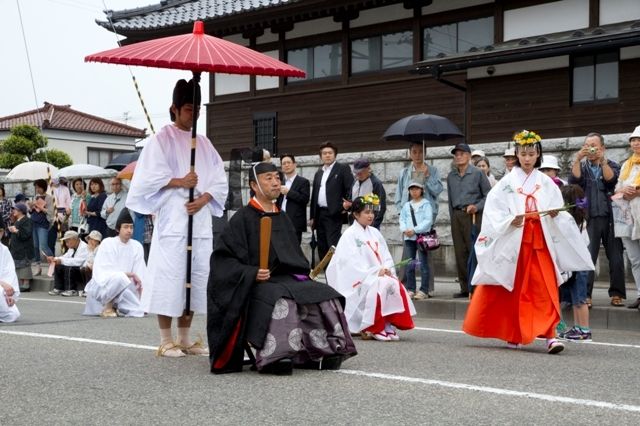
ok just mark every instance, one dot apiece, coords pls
pixel 288 318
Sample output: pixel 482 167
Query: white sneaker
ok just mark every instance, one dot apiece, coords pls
pixel 421 295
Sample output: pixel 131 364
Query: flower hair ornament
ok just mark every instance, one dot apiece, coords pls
pixel 526 137
pixel 369 202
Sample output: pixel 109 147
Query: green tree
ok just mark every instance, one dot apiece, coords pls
pixel 23 144
pixel 53 156
pixel 32 133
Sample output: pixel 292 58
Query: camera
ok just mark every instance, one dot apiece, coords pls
pixel 593 150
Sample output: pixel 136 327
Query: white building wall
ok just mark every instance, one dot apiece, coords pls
pixel 546 18
pixel 612 11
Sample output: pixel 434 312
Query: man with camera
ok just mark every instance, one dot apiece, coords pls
pixel 598 177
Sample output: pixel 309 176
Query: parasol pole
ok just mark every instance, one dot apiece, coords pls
pixel 196 84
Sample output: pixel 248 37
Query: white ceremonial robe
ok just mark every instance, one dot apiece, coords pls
pixel 353 272
pixel 8 275
pixel 110 281
pixel 164 157
pixel 498 245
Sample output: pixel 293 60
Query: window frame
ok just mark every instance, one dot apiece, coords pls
pixel 594 56
pixel 257 117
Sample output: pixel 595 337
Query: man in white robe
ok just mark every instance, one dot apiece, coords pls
pixel 119 272
pixel 9 289
pixel 160 186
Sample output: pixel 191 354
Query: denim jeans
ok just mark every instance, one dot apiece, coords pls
pixel 40 242
pixel 577 288
pixel 411 248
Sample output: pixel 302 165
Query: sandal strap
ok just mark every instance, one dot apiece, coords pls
pixel 164 348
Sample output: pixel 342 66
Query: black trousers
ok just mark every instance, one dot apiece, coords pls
pixel 328 231
pixel 600 230
pixel 461 226
pixel 67 277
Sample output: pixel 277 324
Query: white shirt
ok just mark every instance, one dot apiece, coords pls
pixel 322 193
pixel 77 256
pixel 287 182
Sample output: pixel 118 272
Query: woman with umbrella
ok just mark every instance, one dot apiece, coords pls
pixel 526 240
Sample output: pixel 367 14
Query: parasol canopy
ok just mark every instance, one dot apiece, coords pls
pixel 84 171
pixel 432 129
pixel 197 52
pixel 121 161
pixel 127 172
pixel 30 171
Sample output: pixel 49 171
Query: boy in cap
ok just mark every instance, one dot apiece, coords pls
pixel 161 186
pixel 118 274
pixel 67 267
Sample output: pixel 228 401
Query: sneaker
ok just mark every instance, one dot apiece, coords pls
pixel 561 328
pixel 577 334
pixel 69 293
pixel 511 345
pixel 421 295
pixel 83 293
pixel 55 292
pixel 554 346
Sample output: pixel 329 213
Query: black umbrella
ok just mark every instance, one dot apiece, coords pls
pixel 422 128
pixel 121 161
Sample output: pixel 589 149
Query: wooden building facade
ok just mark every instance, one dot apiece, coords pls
pixel 563 67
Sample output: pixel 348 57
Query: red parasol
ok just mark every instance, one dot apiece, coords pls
pixel 196 52
pixel 127 172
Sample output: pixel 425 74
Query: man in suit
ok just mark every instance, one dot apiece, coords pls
pixel 295 193
pixel 330 198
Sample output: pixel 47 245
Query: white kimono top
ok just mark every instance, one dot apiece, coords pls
pixel 8 275
pixel 167 155
pixel 498 245
pixel 353 272
pixel 115 258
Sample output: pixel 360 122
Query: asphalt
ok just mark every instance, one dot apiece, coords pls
pixel 443 306
pixel 59 367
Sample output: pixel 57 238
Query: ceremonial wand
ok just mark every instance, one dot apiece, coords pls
pixel 327 257
pixel 265 241
pixel 192 167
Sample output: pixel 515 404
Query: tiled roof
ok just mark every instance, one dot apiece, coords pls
pixel 63 117
pixel 171 13
pixel 605 36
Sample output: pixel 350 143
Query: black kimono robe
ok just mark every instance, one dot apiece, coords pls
pixel 239 308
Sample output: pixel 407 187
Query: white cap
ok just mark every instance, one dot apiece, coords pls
pixel 478 152
pixel 509 152
pixel 635 134
pixel 549 162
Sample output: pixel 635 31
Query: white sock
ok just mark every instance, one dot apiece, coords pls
pixel 183 336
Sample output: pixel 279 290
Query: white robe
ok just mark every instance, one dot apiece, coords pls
pixel 164 157
pixel 110 281
pixel 353 272
pixel 8 275
pixel 498 245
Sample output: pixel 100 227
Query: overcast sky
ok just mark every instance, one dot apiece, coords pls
pixel 59 34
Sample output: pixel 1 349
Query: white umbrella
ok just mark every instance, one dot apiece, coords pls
pixel 31 171
pixel 84 171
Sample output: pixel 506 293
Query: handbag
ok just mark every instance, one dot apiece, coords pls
pixel 427 241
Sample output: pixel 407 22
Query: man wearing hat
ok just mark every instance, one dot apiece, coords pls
pixel 289 318
pixel 66 273
pixel 161 186
pixel 467 187
pixel 367 183
pixel 550 167
pixel 118 275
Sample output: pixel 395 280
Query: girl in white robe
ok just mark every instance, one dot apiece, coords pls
pixel 9 288
pixel 362 270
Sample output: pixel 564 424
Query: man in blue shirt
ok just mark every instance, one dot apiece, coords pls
pixel 598 177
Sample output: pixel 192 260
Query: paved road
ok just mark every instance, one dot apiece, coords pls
pixel 61 368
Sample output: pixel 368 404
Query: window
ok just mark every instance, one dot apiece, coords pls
pixel 595 77
pixel 318 61
pixel 265 131
pixel 457 37
pixel 102 157
pixel 382 52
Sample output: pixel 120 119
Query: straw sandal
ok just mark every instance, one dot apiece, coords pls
pixel 108 313
pixel 197 348
pixel 170 350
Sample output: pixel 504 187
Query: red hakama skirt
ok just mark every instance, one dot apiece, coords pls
pixel 532 309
